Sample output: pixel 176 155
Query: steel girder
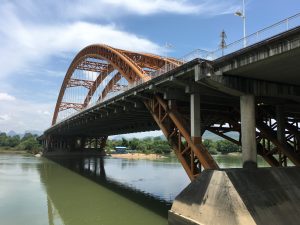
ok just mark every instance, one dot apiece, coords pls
pixel 269 147
pixel 176 130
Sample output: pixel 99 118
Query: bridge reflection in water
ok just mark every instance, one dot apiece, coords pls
pixel 98 200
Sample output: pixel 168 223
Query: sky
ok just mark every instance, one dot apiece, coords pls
pixel 39 39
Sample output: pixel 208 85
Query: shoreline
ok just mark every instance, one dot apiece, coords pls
pixel 13 151
pixel 151 156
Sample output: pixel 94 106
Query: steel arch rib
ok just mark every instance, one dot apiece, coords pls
pixel 118 60
pixel 123 61
pixel 148 60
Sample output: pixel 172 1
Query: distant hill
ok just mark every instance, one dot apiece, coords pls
pixel 12 133
pixel 214 137
pixel 37 132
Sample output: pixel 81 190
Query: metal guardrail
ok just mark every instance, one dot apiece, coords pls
pixel 277 28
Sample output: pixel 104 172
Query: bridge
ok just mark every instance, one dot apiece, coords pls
pixel 254 91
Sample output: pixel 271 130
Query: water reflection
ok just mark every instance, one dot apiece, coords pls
pixel 89 190
pixel 99 196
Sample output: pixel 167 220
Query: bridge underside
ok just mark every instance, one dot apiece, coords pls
pixel 254 92
pixel 165 103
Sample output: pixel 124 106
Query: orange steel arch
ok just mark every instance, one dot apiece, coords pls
pixel 130 65
pixel 143 60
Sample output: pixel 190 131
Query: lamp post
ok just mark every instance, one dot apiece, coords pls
pixel 243 16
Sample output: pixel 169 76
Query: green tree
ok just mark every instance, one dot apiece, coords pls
pixel 3 139
pixel 124 142
pixel 133 143
pixel 30 144
pixel 210 146
pixel 27 136
pixel 225 146
pixel 13 141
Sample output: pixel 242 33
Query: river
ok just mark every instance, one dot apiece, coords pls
pixel 89 190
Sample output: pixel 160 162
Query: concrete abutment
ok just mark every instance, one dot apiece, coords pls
pixel 238 197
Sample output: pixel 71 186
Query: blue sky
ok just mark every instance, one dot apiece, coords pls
pixel 39 38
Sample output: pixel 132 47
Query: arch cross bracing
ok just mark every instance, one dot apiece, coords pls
pixel 99 69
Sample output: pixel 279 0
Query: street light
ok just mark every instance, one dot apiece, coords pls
pixel 243 16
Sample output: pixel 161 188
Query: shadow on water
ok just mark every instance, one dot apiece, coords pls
pixel 93 169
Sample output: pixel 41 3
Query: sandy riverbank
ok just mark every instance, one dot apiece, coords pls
pixel 138 156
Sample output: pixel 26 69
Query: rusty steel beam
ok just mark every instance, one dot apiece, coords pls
pixel 175 129
pixel 221 134
pixel 269 134
pixel 263 149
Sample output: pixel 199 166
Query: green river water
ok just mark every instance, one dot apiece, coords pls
pixel 89 190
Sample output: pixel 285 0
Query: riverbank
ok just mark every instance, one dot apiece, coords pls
pixel 138 156
pixel 12 151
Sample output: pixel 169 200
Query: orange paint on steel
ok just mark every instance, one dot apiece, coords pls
pixel 158 63
pixel 205 158
pixel 115 58
pixel 175 148
pixel 109 86
pixel 96 84
pixel 121 60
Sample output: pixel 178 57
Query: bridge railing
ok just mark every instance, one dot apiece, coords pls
pixel 277 28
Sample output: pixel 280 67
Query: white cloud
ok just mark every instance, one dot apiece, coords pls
pixel 109 9
pixel 6 97
pixel 4 117
pixel 29 44
pixel 27 36
pixel 33 31
pixel 20 115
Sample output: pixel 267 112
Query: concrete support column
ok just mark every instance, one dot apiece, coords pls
pixel 281 131
pixel 248 129
pixel 280 124
pixel 195 118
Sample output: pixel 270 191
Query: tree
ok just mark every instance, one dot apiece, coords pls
pixel 30 144
pixel 210 146
pixel 27 136
pixel 124 142
pixel 225 146
pixel 3 139
pixel 13 141
pixel 133 143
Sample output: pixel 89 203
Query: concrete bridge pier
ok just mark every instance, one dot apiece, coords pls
pixel 248 131
pixel 280 119
pixel 195 118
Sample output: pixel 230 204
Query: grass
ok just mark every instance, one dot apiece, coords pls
pixel 11 150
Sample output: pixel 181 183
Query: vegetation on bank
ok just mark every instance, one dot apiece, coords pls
pixel 147 145
pixel 28 143
pixel 159 145
pixel 221 146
